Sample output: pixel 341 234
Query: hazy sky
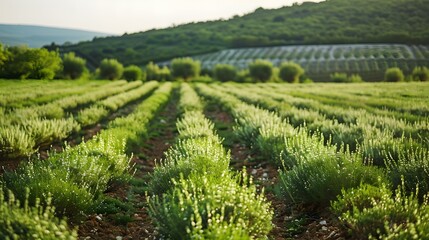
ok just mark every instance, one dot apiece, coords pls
pixel 119 16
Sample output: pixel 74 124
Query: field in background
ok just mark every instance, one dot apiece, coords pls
pixel 320 61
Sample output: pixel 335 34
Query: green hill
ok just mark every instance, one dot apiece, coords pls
pixel 329 22
pixel 37 36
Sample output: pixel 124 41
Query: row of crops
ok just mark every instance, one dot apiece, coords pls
pixel 33 117
pixel 319 61
pixel 359 150
pixel 350 149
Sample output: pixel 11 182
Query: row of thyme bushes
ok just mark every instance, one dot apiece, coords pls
pixel 73 181
pixel 194 195
pixel 24 130
pixel 313 174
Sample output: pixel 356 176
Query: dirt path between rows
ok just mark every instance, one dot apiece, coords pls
pixel 135 224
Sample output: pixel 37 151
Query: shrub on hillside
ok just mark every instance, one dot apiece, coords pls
pixel 290 72
pixel 29 63
pixel 154 72
pixel 261 70
pixel 394 75
pixel 420 74
pixel 73 67
pixel 133 73
pixel 185 68
pixel 343 78
pixel 111 69
pixel 225 72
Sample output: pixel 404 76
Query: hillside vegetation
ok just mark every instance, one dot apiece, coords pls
pixel 329 22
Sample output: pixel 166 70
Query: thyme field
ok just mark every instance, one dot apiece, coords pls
pixel 162 160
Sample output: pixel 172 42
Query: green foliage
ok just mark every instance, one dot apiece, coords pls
pixel 15 143
pixel 355 78
pixel 343 78
pixel 91 115
pixel 339 77
pixel 154 72
pixel 261 70
pixel 189 100
pixel 18 220
pixel 27 63
pixel 185 68
pixel 317 182
pixel 225 72
pixel 393 75
pixel 209 207
pixel 133 73
pixel 75 177
pixel 372 212
pixel 73 66
pixel 420 74
pixel 290 72
pixel 346 22
pixel 111 69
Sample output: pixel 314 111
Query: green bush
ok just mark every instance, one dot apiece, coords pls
pixel 92 115
pixel 18 220
pixel 111 69
pixel 189 101
pixel 372 212
pixel 15 143
pixel 409 168
pixel 261 70
pixel 420 74
pixel 339 77
pixel 75 177
pixel 73 67
pixel 211 207
pixel 154 72
pixel 192 155
pixel 343 78
pixel 317 182
pixel 393 75
pixel 185 68
pixel 225 72
pixel 133 73
pixel 290 72
pixel 29 63
pixel 355 78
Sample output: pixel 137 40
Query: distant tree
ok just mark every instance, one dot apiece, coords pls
pixel 3 57
pixel 394 75
pixel 111 69
pixel 225 72
pixel 154 72
pixel 27 63
pixel 261 70
pixel 339 77
pixel 343 78
pixel 73 66
pixel 355 78
pixel 420 74
pixel 133 73
pixel 290 72
pixel 185 68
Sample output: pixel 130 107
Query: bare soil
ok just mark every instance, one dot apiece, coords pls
pixel 140 225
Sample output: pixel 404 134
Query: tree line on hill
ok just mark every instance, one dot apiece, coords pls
pixel 28 63
pixel 328 22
